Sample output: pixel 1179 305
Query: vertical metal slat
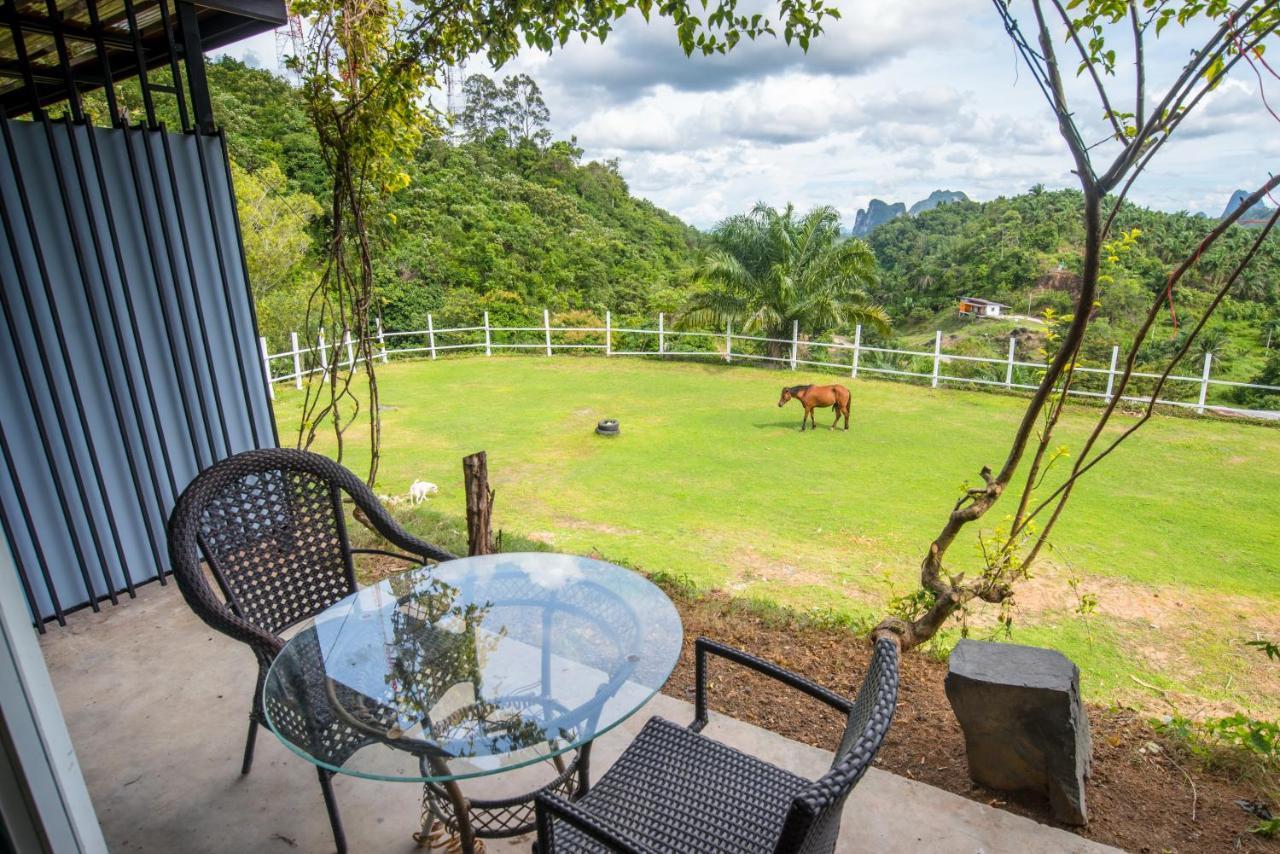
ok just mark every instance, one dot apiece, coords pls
pixel 244 271
pixel 193 282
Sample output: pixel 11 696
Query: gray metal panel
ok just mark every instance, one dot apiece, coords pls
pixel 160 346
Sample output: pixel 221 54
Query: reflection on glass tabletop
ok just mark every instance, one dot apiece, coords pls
pixel 471 667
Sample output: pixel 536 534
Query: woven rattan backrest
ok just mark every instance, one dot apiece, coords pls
pixel 813 823
pixel 277 544
pixel 269 526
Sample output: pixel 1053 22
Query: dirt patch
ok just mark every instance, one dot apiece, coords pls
pixel 1138 799
pixel 754 567
pixel 1159 607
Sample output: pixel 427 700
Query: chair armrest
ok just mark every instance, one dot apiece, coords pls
pixel 414 559
pixel 550 807
pixel 217 615
pixel 703 646
pixel 386 525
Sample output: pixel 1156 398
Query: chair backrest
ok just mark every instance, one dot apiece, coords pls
pixel 813 821
pixel 271 527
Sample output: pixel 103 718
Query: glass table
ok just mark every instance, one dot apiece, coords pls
pixel 470 668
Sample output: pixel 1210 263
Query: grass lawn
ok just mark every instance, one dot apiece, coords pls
pixel 1176 534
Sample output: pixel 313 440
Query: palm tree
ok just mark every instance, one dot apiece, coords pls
pixel 768 269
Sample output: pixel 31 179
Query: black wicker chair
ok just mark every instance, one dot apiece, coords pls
pixel 270 529
pixel 676 790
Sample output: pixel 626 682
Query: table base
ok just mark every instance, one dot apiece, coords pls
pixel 467 821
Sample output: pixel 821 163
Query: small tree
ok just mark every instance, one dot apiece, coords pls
pixel 769 269
pixel 482 112
pixel 365 67
pixel 1107 169
pixel 527 113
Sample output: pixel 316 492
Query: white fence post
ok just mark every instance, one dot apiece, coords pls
pixel 1008 371
pixel 546 327
pixel 937 356
pixel 297 360
pixel 382 340
pixel 795 341
pixel 662 342
pixel 431 335
pixel 728 341
pixel 1111 372
pixel 488 342
pixel 1204 382
pixel 266 366
pixel 857 347
pixel 351 351
pixel 324 357
pixel 608 333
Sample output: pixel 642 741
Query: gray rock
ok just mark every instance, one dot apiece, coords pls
pixel 1024 724
pixel 936 198
pixel 876 214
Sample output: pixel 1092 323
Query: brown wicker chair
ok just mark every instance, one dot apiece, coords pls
pixel 269 527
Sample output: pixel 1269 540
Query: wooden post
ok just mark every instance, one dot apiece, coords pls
pixel 795 341
pixel 937 357
pixel 488 341
pixel 546 327
pixel 608 333
pixel 266 366
pixel 662 343
pixel 1204 382
pixel 1008 371
pixel 728 341
pixel 382 340
pixel 857 349
pixel 1111 373
pixel 297 360
pixel 431 335
pixel 475 474
pixel 351 351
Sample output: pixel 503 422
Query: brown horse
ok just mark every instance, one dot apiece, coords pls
pixel 813 396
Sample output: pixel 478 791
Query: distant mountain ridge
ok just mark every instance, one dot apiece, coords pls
pixel 937 197
pixel 878 212
pixel 1253 216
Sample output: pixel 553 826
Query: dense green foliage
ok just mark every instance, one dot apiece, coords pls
pixel 770 270
pixel 1025 251
pixel 500 220
pixel 525 225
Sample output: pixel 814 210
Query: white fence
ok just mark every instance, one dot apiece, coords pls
pixel 854 357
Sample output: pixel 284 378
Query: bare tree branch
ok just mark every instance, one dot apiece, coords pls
pixel 1074 33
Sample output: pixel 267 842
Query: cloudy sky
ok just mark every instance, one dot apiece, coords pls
pixel 891 102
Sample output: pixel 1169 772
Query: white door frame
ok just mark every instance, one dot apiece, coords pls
pixel 44 802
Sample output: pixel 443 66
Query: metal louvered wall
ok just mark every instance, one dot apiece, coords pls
pixel 128 348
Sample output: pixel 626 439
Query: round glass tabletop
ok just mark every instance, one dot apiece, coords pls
pixel 472 667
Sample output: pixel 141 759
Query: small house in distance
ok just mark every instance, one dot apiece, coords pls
pixel 974 307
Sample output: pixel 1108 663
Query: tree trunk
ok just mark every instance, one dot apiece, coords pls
pixel 475 472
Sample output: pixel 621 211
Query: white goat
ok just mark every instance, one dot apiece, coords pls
pixel 420 489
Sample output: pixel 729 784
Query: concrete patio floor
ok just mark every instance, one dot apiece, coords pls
pixel 156 704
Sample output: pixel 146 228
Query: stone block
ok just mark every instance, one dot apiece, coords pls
pixel 1024 724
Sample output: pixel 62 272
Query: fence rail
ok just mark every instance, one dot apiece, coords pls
pixel 860 358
